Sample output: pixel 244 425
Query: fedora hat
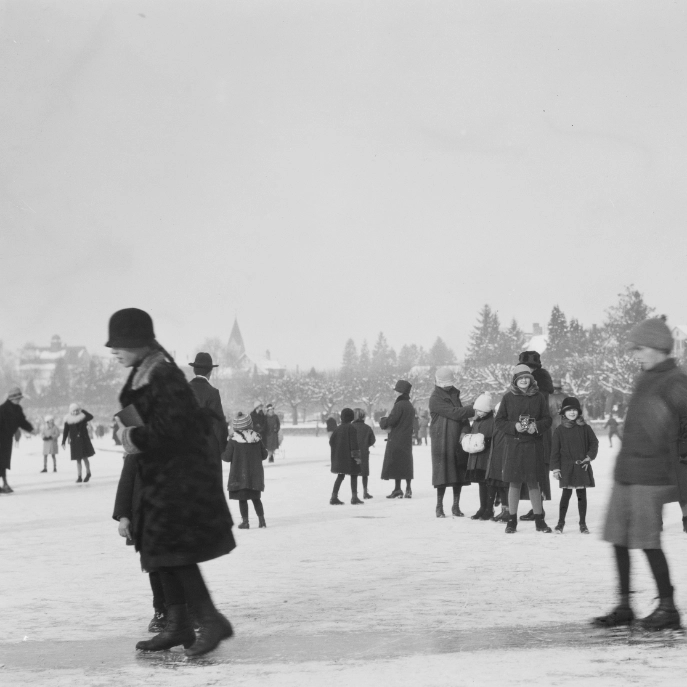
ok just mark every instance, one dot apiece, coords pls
pixel 203 360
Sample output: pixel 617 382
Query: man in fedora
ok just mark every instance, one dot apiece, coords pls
pixel 209 400
pixel 11 419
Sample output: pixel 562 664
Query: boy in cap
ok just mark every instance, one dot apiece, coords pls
pixel 650 471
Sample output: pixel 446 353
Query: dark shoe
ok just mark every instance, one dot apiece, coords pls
pixel 261 521
pixel 356 501
pixel 271 460
pixel 455 509
pixel 528 516
pixel 664 617
pixel 488 514
pixel 541 525
pixel 501 517
pixel 177 631
pixel 440 511
pixel 245 525
pixel 622 614
pixel 44 470
pixel 583 528
pixel 684 524
pixel 54 469
pixel 559 528
pixel 158 623
pixel 367 495
pixel 335 501
pixel 409 494
pixel 477 515
pixel 79 480
pixel 512 525
pixel 213 628
pixel 395 494
pixel 87 477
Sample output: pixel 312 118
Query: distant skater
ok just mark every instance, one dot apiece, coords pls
pixel 613 427
pixel 345 458
pixel 50 435
pixel 12 419
pixel 573 447
pixel 75 428
pixel 271 435
pixel 398 456
pixel 366 438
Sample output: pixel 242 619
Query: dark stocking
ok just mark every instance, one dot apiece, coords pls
pixel 440 494
pixel 503 493
pixel 563 508
pixel 259 510
pixel 456 491
pixel 243 509
pixel 337 484
pixel 364 485
pixel 173 589
pixel 354 484
pixel 622 559
pixel 491 495
pixel 408 481
pixel 582 505
pixel 397 487
pixel 659 568
pixel 158 591
pixel 483 496
pixel 192 582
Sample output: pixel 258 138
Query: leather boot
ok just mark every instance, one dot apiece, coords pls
pixel 528 516
pixel 622 614
pixel 684 524
pixel 396 494
pixel 455 509
pixel 664 617
pixel 356 501
pixel 541 525
pixel 158 623
pixel 177 631
pixel 333 501
pixel 409 493
pixel 245 525
pixel 477 515
pixel 512 525
pixel 440 511
pixel 213 628
pixel 261 521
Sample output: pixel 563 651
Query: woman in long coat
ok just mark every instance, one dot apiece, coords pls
pixel 398 456
pixel 366 438
pixel 180 516
pixel 12 419
pixel 449 420
pixel 524 418
pixel 345 458
pixel 270 435
pixel 245 451
pixel 479 462
pixel 76 429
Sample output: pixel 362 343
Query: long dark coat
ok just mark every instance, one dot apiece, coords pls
pixel 523 460
pixel 449 419
pixel 210 402
pixel 245 452
pixel 494 474
pixel 12 418
pixel 180 514
pixel 366 438
pixel 80 444
pixel 344 444
pixel 271 433
pixel 478 462
pixel 398 456
pixel 258 422
pixel 570 444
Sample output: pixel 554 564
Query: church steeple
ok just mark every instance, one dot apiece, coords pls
pixel 235 348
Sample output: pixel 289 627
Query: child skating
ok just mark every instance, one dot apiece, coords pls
pixel 50 435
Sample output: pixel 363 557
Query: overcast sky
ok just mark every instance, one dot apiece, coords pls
pixel 326 170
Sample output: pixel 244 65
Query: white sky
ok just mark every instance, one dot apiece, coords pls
pixel 333 169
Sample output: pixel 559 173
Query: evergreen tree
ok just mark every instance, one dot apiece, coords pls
pixel 383 356
pixel 440 354
pixel 620 318
pixel 408 357
pixel 557 348
pixel 365 360
pixel 512 341
pixel 349 363
pixel 59 390
pixel 483 348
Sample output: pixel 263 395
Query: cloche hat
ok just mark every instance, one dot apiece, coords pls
pixel 130 328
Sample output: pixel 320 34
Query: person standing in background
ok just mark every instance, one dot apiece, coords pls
pixel 271 435
pixel 12 419
pixel 81 448
pixel 50 433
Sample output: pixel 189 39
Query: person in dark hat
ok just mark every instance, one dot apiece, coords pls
pixel 209 400
pixel 12 419
pixel 258 419
pixel 345 457
pixel 398 456
pixel 650 471
pixel 179 516
pixel 270 436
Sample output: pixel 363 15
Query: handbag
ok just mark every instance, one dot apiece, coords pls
pixel 473 443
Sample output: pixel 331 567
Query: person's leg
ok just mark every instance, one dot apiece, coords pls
pixel 683 508
pixel 536 499
pixel 157 624
pixel 45 463
pixel 54 463
pixel 354 491
pixel 582 509
pixel 366 493
pixel 665 616
pixel 563 509
pixel 243 510
pixel 622 614
pixel 482 501
pixel 260 512
pixel 397 485
pixel 455 509
pixel 513 501
pixel 88 470
pixel 334 501
pixel 78 470
pixel 441 490
pixel 409 493
pixel 397 492
pixel 270 456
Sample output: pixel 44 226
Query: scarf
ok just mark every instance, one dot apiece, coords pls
pixel 402 397
pixel 532 389
pixel 579 420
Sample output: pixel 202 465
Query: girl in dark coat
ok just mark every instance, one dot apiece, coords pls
pixel 574 446
pixel 345 456
pixel 180 516
pixel 495 483
pixel 366 438
pixel 245 451
pixel 398 456
pixel 271 434
pixel 12 419
pixel 449 420
pixel 523 417
pixel 76 428
pixel 479 462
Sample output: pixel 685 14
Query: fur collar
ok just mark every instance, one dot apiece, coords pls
pixel 579 421
pixel 141 375
pixel 74 419
pixel 245 436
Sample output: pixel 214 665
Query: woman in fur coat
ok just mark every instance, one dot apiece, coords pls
pixel 524 418
pixel 245 451
pixel 478 462
pixel 75 427
pixel 50 434
pixel 574 446
pixel 366 438
pixel 180 516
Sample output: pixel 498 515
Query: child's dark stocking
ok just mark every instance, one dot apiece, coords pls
pixel 563 507
pixel 337 484
pixel 260 512
pixel 582 505
pixel 354 485
pixel 659 568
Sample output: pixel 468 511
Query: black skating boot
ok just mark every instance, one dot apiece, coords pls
pixel 335 501
pixel 502 516
pixel 541 525
pixel 559 527
pixel 664 617
pixel 528 516
pixel 87 477
pixel 356 501
pixel 512 525
pixel 455 508
pixel 583 528
pixel 396 494
pixel 408 494
pixel 177 631
pixel 213 628
pixel 367 495
pixel 158 623
pixel 245 525
pixel 44 469
pixel 621 615
pixel 477 515
pixel 488 514
pixel 440 511
pixel 79 480
pixel 261 521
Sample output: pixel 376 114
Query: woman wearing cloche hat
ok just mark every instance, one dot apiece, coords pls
pixel 180 517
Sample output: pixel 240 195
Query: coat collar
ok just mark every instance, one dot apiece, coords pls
pixel 141 375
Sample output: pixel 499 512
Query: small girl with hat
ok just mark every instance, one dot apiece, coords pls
pixel 478 462
pixel 50 434
pixel 574 446
pixel 245 451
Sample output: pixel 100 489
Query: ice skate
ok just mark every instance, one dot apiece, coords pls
pixel 541 525
pixel 87 477
pixel 664 617
pixel 583 529
pixel 158 622
pixel 213 628
pixel 621 615
pixel 455 509
pixel 245 525
pixel 333 501
pixel 261 522
pixel 44 470
pixel 367 495
pixel 79 480
pixel 177 631
pixel 396 494
pixel 356 501
pixel 512 525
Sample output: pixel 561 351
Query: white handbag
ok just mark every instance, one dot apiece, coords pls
pixel 473 443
